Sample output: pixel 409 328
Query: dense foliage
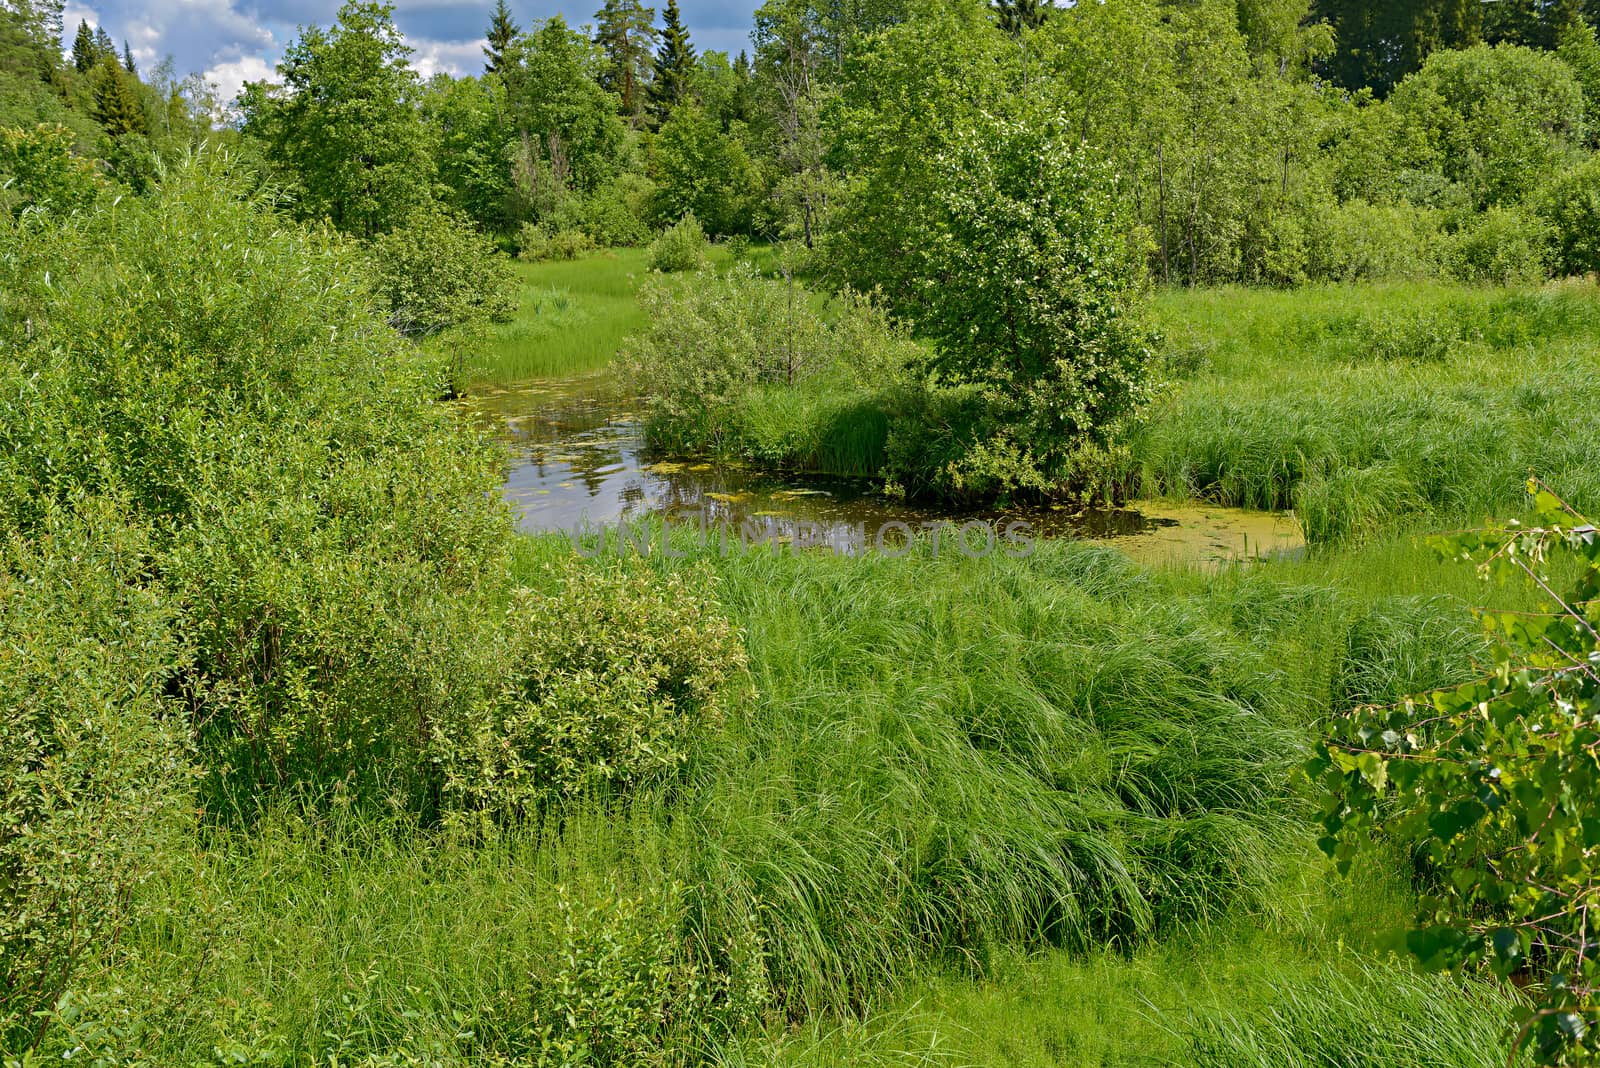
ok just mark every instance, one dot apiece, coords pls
pixel 93 760
pixel 724 345
pixel 435 271
pixel 1493 783
pixel 1029 291
pixel 306 758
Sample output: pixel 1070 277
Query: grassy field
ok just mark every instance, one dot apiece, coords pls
pixel 1360 407
pixel 311 761
pixel 980 812
pixel 572 316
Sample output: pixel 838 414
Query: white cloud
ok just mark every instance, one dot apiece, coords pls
pixel 230 77
pixel 234 41
pixel 451 57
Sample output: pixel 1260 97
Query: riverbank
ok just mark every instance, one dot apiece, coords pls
pixel 1361 409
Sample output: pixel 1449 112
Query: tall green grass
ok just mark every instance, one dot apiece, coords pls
pixel 1310 985
pixel 948 762
pixel 1360 407
pixel 572 316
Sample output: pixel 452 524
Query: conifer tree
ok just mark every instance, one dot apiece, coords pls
pixel 127 60
pixel 1019 15
pixel 502 32
pixel 83 52
pixel 675 61
pixel 116 108
pixel 1379 42
pixel 625 31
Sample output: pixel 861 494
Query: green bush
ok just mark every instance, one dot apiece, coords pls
pixel 1030 291
pixel 680 247
pixel 1488 783
pixel 39 169
pixel 1358 242
pixel 616 215
pixel 1496 120
pixel 94 772
pixel 1571 206
pixel 607 683
pixel 716 342
pixel 436 271
pixel 1503 246
pixel 704 170
pixel 321 525
pixel 628 991
pixel 537 242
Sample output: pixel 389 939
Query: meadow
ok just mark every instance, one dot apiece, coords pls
pixel 1363 408
pixel 975 812
pixel 424 792
pixel 310 759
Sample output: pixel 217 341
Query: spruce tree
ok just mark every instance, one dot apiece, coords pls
pixel 1019 15
pixel 83 52
pixel 103 44
pixel 1512 22
pixel 1560 16
pixel 502 32
pixel 127 60
pixel 115 108
pixel 675 61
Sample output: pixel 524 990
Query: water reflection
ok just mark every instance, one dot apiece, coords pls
pixel 579 460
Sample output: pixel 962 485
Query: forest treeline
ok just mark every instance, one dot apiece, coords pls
pixel 1262 141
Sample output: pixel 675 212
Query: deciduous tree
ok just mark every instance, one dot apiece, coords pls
pixel 344 125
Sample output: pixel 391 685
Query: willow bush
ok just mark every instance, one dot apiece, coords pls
pixel 93 762
pixel 319 524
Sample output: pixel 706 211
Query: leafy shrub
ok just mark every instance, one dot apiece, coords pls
pixel 324 563
pixel 39 169
pixel 1503 246
pixel 716 341
pixel 1496 119
pixel 93 765
pixel 537 242
pixel 1491 782
pixel 680 247
pixel 436 271
pixel 1571 205
pixel 627 989
pixel 608 681
pixel 1030 291
pixel 704 170
pixel 616 215
pixel 1359 242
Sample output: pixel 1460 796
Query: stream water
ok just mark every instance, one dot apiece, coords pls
pixel 579 461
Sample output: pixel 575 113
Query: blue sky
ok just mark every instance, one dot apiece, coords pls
pixel 232 41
